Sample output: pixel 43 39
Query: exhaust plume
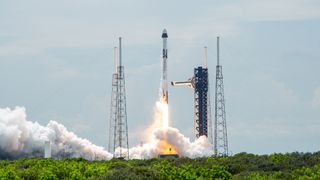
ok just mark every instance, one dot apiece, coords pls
pixel 174 140
pixel 22 138
pixel 164 139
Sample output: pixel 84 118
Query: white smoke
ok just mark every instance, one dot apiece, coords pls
pixel 156 134
pixel 22 138
pixel 184 147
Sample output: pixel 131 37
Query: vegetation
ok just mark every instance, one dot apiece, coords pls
pixel 240 166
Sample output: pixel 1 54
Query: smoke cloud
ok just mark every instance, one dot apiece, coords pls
pixel 162 139
pixel 22 138
pixel 175 141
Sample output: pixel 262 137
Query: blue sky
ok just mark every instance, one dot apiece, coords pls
pixel 56 59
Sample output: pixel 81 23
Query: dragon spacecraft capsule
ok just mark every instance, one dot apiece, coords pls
pixel 164 78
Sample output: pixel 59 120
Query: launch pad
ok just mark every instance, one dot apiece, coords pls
pixel 168 156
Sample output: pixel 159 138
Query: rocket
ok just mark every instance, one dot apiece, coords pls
pixel 164 80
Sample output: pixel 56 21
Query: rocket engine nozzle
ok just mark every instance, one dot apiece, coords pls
pixel 164 97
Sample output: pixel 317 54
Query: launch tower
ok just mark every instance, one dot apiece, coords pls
pixel 220 123
pixel 201 101
pixel 118 132
pixel 200 83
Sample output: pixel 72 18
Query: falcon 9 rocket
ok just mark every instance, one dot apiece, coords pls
pixel 164 78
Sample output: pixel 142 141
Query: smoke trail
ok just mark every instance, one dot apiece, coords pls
pixel 22 138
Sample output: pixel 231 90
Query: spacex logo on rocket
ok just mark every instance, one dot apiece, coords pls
pixel 164 79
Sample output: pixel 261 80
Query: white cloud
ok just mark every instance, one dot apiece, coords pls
pixel 73 29
pixel 271 10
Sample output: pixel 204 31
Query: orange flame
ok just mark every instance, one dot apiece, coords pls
pixel 161 120
pixel 166 148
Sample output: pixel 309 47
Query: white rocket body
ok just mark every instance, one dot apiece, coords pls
pixel 164 78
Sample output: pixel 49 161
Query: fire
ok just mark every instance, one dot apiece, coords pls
pixel 163 116
pixel 161 121
pixel 166 148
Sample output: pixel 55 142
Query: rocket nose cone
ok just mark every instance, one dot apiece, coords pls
pixel 164 33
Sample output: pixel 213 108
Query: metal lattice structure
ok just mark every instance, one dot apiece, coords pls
pixel 113 105
pixel 199 82
pixel 202 106
pixel 118 132
pixel 113 112
pixel 220 123
pixel 201 101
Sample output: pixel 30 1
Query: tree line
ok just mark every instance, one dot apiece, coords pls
pixel 239 166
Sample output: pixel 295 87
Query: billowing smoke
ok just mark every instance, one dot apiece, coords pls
pixel 22 138
pixel 175 141
pixel 168 140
